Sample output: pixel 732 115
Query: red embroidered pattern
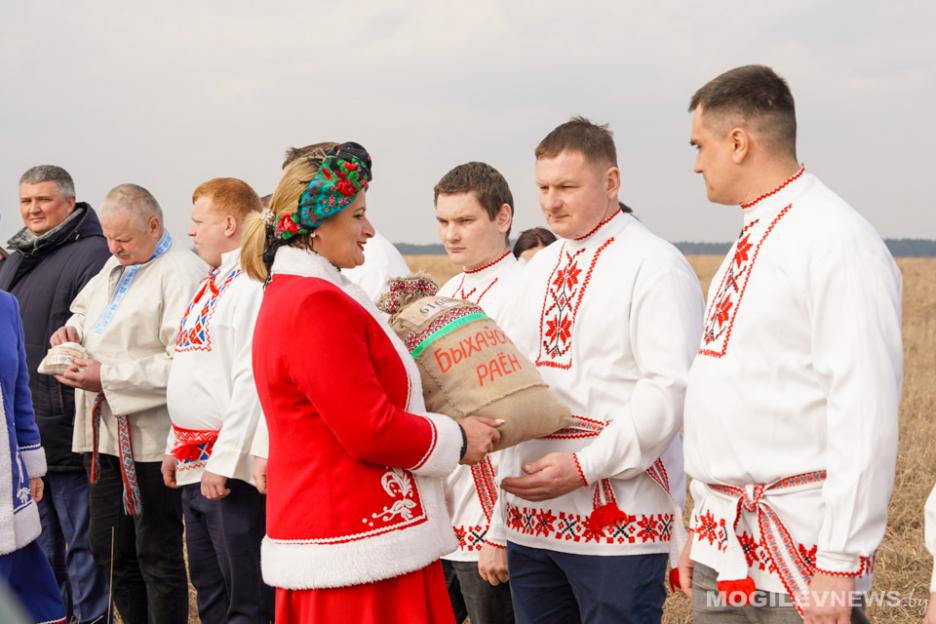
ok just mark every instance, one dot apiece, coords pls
pixel 570 527
pixel 723 309
pixel 581 427
pixel 470 537
pixel 598 227
pixel 755 552
pixel 490 543
pixel 489 264
pixel 754 202
pixel 564 293
pixel 197 337
pixel 466 296
pixel 578 467
pixel 485 485
pixel 657 472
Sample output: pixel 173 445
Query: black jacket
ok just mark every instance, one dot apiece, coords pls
pixel 45 277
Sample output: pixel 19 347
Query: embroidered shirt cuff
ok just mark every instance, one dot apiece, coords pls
pixel 441 457
pixel 578 466
pixel 839 564
pixel 34 460
pixel 225 462
pixel 501 545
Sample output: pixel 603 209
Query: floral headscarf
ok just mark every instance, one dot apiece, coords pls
pixel 344 173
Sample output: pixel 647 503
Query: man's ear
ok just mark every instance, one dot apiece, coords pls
pixel 612 182
pixel 740 144
pixel 504 218
pixel 154 224
pixel 231 226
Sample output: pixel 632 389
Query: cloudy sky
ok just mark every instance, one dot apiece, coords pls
pixel 170 94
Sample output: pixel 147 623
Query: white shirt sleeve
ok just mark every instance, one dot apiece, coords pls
pixel 665 328
pixel 854 300
pixel 232 448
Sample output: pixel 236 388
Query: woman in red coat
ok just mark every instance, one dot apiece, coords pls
pixel 356 518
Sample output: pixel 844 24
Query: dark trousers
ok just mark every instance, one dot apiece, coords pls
pixel 223 541
pixel 480 601
pixel 65 525
pixel 27 573
pixel 454 592
pixel 148 580
pixel 551 587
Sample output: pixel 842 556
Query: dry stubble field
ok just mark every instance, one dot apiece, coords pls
pixel 902 565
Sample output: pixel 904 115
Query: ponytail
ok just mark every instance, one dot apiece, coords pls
pixel 258 245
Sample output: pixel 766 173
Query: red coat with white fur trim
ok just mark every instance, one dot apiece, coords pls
pixel 355 493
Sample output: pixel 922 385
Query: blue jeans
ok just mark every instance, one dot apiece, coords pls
pixel 64 539
pixel 550 587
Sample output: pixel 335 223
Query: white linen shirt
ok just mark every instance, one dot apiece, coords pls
pixel 490 287
pixel 611 322
pixel 135 349
pixel 799 371
pixel 211 382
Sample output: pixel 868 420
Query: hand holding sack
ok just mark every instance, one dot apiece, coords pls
pixel 60 358
pixel 468 366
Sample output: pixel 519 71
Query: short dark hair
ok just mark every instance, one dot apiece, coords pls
pixel 759 96
pixel 534 237
pixel 594 141
pixel 486 182
pixel 314 151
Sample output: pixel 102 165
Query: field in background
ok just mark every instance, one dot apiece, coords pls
pixel 902 564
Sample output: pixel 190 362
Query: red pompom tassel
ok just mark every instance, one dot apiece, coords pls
pixel 737 593
pixel 674 581
pixel 606 515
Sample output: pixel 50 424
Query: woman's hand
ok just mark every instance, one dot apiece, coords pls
pixel 35 488
pixel 482 434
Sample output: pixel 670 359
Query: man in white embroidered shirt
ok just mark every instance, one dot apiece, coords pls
pixel 127 319
pixel 214 409
pixel 791 410
pixel 611 315
pixel 474 209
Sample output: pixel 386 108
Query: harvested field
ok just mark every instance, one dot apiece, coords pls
pixel 902 565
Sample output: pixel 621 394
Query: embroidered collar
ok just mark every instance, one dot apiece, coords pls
pixel 599 226
pixel 792 178
pixel 126 280
pixel 489 264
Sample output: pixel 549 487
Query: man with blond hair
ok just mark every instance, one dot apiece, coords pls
pixel 214 408
pixel 610 314
pixel 127 320
pixel 791 409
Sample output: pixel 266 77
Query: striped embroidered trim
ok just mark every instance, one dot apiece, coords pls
pixel 488 265
pixel 599 226
pixel 413 339
pixel 432 445
pixel 578 466
pixel 485 485
pixel 754 202
pixel 446 329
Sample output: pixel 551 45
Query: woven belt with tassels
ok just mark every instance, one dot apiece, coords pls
pixel 131 489
pixel 795 572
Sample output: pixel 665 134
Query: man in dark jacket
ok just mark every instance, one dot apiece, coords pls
pixel 60 248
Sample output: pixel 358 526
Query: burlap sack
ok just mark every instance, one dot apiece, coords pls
pixel 469 367
pixel 60 358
